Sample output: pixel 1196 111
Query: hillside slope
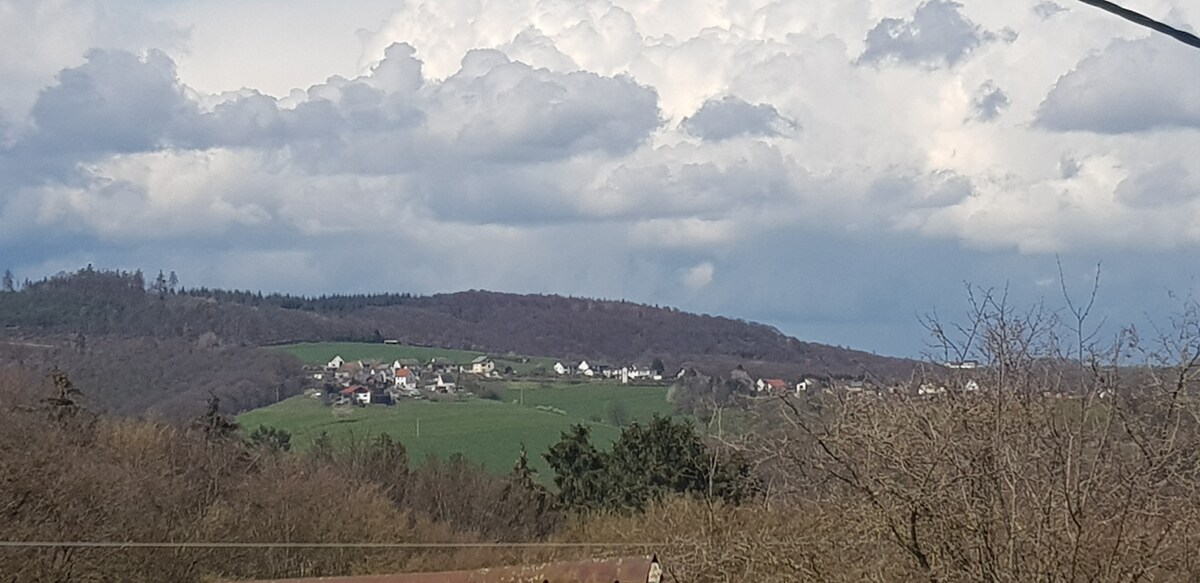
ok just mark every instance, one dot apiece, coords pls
pixel 79 308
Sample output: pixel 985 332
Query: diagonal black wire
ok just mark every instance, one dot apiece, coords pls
pixel 1186 38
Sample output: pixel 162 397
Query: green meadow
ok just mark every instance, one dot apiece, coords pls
pixel 490 432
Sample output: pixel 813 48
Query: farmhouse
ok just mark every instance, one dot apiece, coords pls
pixel 442 383
pixel 559 369
pixel 634 373
pixel 772 386
pixel 482 365
pixel 441 365
pixel 358 394
pixel 406 378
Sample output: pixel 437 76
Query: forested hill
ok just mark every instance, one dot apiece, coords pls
pixel 92 302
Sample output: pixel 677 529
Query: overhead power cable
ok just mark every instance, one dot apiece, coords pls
pixel 1184 37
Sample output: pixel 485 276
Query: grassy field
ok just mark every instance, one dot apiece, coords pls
pixel 592 401
pixel 486 431
pixel 323 352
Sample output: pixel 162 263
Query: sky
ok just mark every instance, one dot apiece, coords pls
pixel 834 169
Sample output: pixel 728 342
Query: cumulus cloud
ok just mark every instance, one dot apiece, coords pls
pixel 42 37
pixel 114 102
pixel 730 117
pixel 608 147
pixel 1130 86
pixel 936 35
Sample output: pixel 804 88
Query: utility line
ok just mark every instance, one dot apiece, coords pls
pixel 1184 37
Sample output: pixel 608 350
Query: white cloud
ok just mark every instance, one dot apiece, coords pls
pixel 41 37
pixel 1130 86
pixel 936 35
pixel 699 276
pixel 604 147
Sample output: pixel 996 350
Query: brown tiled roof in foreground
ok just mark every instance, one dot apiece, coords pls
pixel 624 570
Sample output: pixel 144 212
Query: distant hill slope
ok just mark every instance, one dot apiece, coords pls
pixel 91 302
pixel 618 331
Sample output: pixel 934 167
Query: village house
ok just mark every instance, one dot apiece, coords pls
pixel 437 365
pixel 771 386
pixel 559 369
pixel 482 366
pixel 855 387
pixel 359 395
pixel 406 378
pixel 963 365
pixel 634 374
pixel 442 383
pixel 336 363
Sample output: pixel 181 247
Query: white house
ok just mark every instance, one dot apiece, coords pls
pixel 443 383
pixel 559 368
pixel 634 374
pixel 358 395
pixel 773 386
pixel 963 365
pixel 336 363
pixel 805 386
pixel 406 378
pixel 482 365
pixel 585 369
pixel 930 389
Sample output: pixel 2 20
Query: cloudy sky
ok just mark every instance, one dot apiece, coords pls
pixel 831 168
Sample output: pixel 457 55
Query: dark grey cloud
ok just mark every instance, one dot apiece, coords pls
pixel 492 111
pixel 1163 185
pixel 989 101
pixel 1130 86
pixel 1047 9
pixel 936 35
pixel 114 102
pixel 730 117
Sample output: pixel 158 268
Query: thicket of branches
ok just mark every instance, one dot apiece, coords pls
pixel 70 474
pixel 1074 460
pixel 67 474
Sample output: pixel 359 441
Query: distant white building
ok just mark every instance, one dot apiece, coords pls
pixel 336 363
pixel 559 368
pixel 482 365
pixel 406 378
pixel 443 383
pixel 585 369
pixel 963 364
